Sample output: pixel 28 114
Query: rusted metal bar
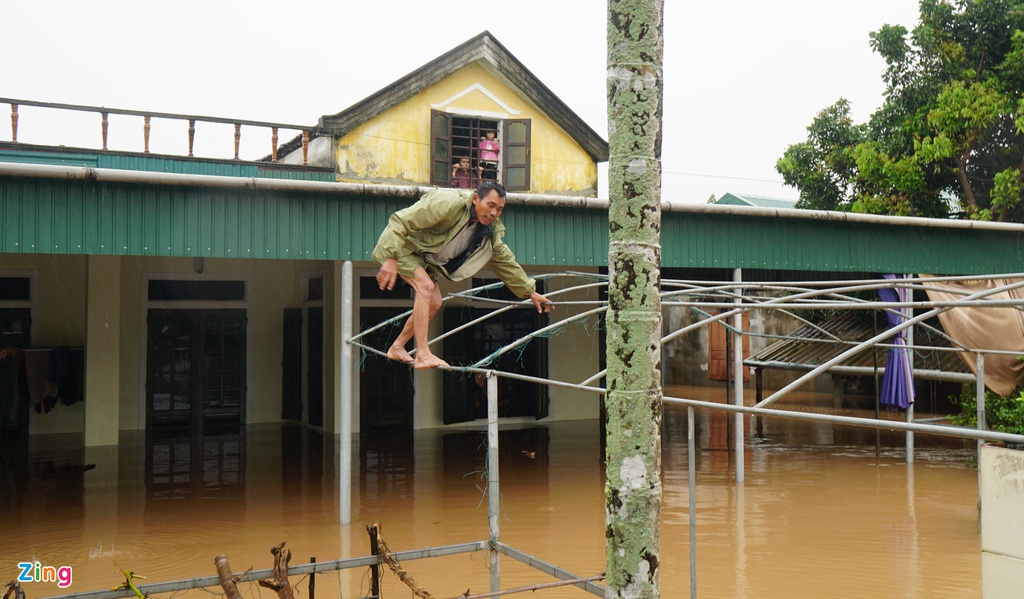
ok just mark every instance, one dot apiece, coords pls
pixel 14 122
pixel 238 137
pixel 374 551
pixel 312 579
pixel 145 134
pixel 191 135
pixel 273 144
pixel 388 558
pixel 305 147
pixel 104 124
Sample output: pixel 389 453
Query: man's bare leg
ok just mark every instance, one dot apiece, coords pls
pixel 425 305
pixel 397 350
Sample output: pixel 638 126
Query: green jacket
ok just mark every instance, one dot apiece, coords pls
pixel 429 224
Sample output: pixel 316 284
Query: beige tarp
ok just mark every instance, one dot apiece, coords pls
pixel 999 328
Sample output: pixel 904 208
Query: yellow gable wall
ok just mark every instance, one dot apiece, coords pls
pixel 394 147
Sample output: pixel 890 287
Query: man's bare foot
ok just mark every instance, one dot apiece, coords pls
pixel 398 354
pixel 427 361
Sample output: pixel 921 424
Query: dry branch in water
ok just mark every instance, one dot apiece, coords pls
pixel 12 590
pixel 280 582
pixel 227 581
pixel 389 559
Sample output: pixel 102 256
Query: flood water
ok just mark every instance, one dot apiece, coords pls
pixel 824 511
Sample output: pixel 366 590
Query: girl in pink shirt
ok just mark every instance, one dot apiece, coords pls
pixel 488 158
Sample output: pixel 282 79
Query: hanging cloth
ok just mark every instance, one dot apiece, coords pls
pixel 999 328
pixel 898 381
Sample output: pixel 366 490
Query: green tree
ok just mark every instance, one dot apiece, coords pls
pixel 1003 414
pixel 823 168
pixel 950 134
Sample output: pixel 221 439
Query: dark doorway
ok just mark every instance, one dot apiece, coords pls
pixel 15 334
pixel 465 396
pixel 196 367
pixel 385 386
pixel 315 365
pixel 291 364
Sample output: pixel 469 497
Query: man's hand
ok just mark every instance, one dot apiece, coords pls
pixel 542 303
pixel 388 274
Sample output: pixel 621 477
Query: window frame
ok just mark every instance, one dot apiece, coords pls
pixel 443 148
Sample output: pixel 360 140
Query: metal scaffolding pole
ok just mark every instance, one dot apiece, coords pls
pixel 691 453
pixel 910 408
pixel 980 397
pixel 737 376
pixel 493 492
pixel 889 333
pixel 344 417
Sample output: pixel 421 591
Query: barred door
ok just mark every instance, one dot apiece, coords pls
pixel 196 367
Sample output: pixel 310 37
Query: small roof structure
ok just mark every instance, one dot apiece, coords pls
pixel 811 345
pixel 737 199
pixel 487 51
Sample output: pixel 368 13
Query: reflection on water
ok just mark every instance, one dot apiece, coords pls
pixel 824 511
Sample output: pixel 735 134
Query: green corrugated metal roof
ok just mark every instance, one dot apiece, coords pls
pixel 65 216
pixel 760 242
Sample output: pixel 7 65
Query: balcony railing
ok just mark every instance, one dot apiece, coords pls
pixel 304 133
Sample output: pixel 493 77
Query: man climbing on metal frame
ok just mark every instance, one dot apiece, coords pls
pixel 448 233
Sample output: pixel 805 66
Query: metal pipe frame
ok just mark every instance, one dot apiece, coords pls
pixel 881 336
pixel 343 417
pixel 298 569
pixel 493 489
pixel 554 571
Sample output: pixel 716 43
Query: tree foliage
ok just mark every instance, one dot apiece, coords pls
pixel 1003 414
pixel 949 136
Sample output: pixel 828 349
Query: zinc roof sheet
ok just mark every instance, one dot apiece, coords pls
pixel 812 345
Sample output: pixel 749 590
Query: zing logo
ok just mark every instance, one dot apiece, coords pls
pixel 35 572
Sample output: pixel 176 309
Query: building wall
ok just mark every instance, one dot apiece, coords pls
pixel 271 287
pixel 59 318
pixel 394 147
pixel 58 292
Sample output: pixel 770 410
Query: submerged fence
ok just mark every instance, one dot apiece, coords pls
pixel 735 298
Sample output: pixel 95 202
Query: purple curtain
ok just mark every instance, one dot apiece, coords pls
pixel 898 382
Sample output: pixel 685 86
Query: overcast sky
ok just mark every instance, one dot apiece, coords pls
pixel 743 78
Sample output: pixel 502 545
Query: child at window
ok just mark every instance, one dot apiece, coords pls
pixel 489 148
pixel 463 175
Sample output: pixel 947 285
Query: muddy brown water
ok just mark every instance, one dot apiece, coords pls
pixel 824 511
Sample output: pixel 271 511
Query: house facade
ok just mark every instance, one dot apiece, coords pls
pixel 193 292
pixel 413 131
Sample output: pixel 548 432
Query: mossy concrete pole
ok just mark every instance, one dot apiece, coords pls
pixel 633 399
